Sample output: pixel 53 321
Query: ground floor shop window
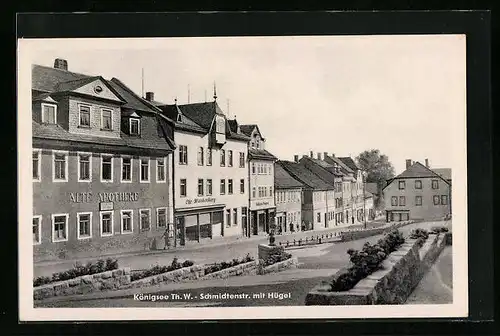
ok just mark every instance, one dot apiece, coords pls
pixel 84 225
pixel 37 223
pixel 191 224
pixel 145 219
pixel 127 221
pixel 106 223
pixel 59 227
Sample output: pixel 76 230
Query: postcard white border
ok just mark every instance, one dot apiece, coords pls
pixel 459 307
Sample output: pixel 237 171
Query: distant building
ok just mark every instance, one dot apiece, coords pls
pixel 316 211
pixel 210 172
pixel 288 195
pixel 418 193
pixel 357 190
pixel 261 182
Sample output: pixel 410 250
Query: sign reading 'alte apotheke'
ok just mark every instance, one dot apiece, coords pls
pixel 88 197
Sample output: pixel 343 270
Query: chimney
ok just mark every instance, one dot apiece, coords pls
pixel 311 154
pixel 325 154
pixel 60 63
pixel 333 154
pixel 318 155
pixel 427 163
pixel 408 163
pixel 150 96
pixel 296 158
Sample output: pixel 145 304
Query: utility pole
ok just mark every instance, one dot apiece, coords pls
pixel 364 200
pixel 142 82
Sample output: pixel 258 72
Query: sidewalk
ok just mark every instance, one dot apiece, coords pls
pixel 216 250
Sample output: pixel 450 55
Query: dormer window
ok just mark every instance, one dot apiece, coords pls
pixel 179 118
pixel 220 125
pixel 49 113
pixel 84 116
pixel 135 126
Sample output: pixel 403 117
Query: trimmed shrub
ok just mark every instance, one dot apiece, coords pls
pixel 78 270
pixel 420 234
pixel 366 261
pixel 439 229
pixel 216 267
pixel 276 257
pixel 157 269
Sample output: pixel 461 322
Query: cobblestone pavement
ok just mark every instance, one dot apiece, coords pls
pixel 316 264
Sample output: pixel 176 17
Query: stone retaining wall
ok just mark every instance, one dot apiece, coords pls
pixel 85 284
pixel 249 268
pixel 401 272
pixel 354 235
pixel 182 274
pixel 279 266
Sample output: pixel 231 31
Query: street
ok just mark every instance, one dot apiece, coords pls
pixel 316 264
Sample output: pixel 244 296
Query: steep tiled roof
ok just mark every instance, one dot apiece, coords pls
pixel 56 132
pixel 334 159
pixel 247 129
pixel 349 162
pixel 201 113
pixel 326 166
pixel 417 170
pixel 321 171
pixel 46 78
pixel 305 176
pixel 444 172
pixel 283 180
pixel 254 153
pixel 74 84
pixel 132 100
pixel 233 125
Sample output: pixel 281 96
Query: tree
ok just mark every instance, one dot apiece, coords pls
pixel 378 168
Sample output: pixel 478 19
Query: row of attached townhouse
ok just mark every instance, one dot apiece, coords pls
pixel 419 192
pixel 114 172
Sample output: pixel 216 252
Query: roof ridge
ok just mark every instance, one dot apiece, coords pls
pixel 62 70
pixel 142 100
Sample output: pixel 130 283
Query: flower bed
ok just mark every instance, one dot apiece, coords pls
pixel 276 256
pixel 157 269
pixel 78 270
pixel 366 261
pixel 439 229
pixel 216 267
pixel 420 235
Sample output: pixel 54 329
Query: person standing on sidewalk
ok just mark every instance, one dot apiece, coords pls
pixel 167 240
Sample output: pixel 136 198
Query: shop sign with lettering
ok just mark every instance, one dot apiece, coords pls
pixel 264 204
pixel 103 197
pixel 106 206
pixel 202 200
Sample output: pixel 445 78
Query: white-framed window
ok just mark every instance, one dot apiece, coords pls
pixel 161 176
pixel 209 187
pixel 37 230
pixel 83 115
pixel 183 155
pixel 127 221
pixel 135 126
pixel 242 186
pixel 106 168
pixel 183 188
pixel 106 119
pixel 209 156
pixel 145 219
pixel 37 159
pixel 402 201
pixel 222 187
pixel 242 160
pixel 436 199
pixel 435 184
pixel 84 225
pixel 144 170
pixel 402 184
pixel 161 217
pixel 222 158
pixel 444 199
pixel 49 113
pixel 127 167
pixel 200 187
pixel 418 200
pixel 235 216
pixel 60 166
pixel 230 158
pixel 253 168
pixel 59 227
pixel 270 191
pixel 106 221
pixel 84 167
pixel 254 192
pixel 230 186
pixel 200 156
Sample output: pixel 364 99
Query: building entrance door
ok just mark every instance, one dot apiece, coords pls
pixel 262 222
pixel 253 219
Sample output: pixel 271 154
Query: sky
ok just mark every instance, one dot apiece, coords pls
pixel 400 94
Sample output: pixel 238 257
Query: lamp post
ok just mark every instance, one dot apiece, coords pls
pixel 364 200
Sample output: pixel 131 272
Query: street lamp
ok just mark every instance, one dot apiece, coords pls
pixel 364 199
